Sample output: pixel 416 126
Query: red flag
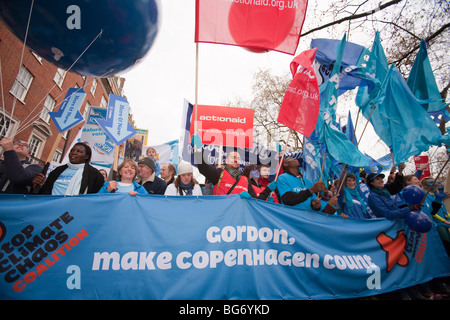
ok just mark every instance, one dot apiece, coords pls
pixel 258 25
pixel 301 104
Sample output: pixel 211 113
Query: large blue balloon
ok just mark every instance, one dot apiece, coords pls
pixel 413 194
pixel 419 221
pixel 60 30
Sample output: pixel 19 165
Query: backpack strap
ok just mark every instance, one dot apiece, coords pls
pixel 234 185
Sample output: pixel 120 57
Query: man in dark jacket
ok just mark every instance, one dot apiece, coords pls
pixel 147 177
pixel 16 172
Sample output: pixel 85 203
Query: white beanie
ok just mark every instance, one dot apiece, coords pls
pixel 184 167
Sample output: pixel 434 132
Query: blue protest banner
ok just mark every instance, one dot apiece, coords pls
pixel 115 246
pixel 68 114
pixel 116 125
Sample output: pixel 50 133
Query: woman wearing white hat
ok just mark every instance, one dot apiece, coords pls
pixel 185 183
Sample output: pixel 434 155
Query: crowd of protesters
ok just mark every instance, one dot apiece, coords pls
pixel 355 195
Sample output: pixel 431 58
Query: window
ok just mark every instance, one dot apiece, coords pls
pixel 56 156
pixel 38 58
pixel 22 84
pixel 59 77
pixel 103 103
pixel 34 147
pixel 93 87
pixel 5 125
pixel 49 104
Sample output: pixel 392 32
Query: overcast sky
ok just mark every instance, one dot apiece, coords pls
pixel 157 87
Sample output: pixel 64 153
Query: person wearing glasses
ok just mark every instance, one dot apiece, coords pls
pixel 16 171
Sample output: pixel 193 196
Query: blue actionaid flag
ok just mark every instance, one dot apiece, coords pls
pixel 411 128
pixel 422 83
pixel 115 246
pixel 339 147
pixel 377 68
pixel 367 98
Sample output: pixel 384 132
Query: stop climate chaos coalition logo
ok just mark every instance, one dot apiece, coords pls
pixel 397 249
pixel 27 254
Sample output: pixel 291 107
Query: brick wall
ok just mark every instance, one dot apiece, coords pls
pixel 26 112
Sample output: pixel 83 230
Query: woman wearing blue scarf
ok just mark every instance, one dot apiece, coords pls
pixel 350 200
pixel 185 183
pixel 381 202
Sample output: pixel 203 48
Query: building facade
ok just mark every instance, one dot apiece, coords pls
pixel 31 89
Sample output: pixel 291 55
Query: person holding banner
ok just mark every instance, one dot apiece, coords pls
pixel 255 190
pixel 74 178
pixel 264 170
pixel 380 201
pixel 225 181
pixel 350 200
pixel 434 206
pixel 148 178
pixel 297 191
pixel 185 183
pixel 16 172
pixel 126 183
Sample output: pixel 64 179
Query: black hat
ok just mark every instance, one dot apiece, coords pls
pixel 372 177
pixel 148 162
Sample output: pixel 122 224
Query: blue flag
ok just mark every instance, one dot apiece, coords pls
pixel 342 149
pixel 350 130
pixel 329 89
pixel 337 144
pixel 367 98
pixel 312 159
pixel 352 62
pixel 384 163
pixel 422 83
pixel 411 128
pixel 377 69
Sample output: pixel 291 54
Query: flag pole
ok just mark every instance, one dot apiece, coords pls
pixel 364 130
pixel 282 155
pixel 196 88
pixel 323 165
pixel 356 124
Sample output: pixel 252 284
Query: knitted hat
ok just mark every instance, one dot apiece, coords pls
pixel 184 167
pixel 148 162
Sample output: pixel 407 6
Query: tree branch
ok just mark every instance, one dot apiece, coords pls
pixel 352 17
pixel 427 39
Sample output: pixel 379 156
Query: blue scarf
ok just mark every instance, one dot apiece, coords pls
pixel 186 187
pixel 350 194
